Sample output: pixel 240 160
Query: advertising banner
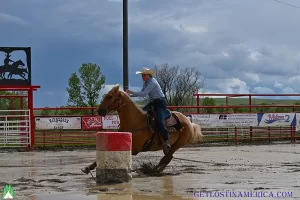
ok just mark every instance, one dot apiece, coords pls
pixel 237 120
pixel 225 120
pixel 111 122
pixel 297 121
pixel 205 120
pixel 46 123
pixel 91 123
pixel 276 119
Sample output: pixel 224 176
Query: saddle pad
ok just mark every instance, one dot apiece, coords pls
pixel 171 121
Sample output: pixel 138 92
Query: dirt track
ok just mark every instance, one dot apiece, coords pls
pixel 256 169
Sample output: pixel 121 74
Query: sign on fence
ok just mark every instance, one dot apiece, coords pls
pixel 111 122
pixel 276 119
pixel 91 123
pixel 297 121
pixel 204 120
pixel 46 123
pixel 225 120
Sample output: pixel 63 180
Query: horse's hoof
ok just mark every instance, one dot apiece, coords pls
pixel 161 168
pixel 85 170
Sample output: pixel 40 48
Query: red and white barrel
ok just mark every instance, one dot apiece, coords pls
pixel 113 157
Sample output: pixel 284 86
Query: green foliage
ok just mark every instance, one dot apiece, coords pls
pixel 84 89
pixel 46 112
pixel 10 103
pixel 208 101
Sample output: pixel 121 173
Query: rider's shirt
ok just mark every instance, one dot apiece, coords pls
pixel 151 88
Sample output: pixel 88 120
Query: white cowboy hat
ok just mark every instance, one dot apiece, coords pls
pixel 146 71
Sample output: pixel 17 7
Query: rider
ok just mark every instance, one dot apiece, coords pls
pixel 157 99
pixel 7 60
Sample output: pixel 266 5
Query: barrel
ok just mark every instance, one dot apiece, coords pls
pixel 113 157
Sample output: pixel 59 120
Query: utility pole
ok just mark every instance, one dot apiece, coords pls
pixel 125 44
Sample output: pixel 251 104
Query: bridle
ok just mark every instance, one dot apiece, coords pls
pixel 113 103
pixel 120 106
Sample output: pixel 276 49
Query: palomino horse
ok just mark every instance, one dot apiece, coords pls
pixel 135 120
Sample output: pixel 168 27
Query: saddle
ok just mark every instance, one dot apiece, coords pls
pixel 171 122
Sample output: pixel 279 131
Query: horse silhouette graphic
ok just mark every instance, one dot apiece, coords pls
pixel 16 67
pixel 13 68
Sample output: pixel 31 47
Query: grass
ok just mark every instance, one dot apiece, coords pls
pixel 255 101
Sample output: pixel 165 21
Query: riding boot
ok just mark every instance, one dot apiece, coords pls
pixel 166 147
pixel 87 169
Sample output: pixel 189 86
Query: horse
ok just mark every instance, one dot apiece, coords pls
pixel 135 120
pixel 13 66
pixel 18 71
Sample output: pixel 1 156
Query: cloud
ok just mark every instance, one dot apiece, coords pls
pixel 6 18
pixel 237 51
pixel 263 90
pixel 109 87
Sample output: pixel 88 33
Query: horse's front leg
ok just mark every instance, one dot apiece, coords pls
pixel 89 168
pixel 23 76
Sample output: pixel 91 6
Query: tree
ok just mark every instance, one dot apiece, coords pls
pixel 84 90
pixel 208 101
pixel 179 84
pixel 46 112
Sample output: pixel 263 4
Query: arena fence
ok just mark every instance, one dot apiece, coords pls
pixel 80 129
pixel 22 126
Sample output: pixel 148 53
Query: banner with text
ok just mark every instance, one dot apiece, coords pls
pixel 91 123
pixel 46 123
pixel 276 119
pixel 111 122
pixel 297 121
pixel 225 120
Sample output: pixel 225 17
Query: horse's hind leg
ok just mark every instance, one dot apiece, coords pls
pixel 181 141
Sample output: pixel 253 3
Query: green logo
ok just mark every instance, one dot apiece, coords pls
pixel 8 192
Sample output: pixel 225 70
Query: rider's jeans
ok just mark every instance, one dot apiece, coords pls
pixel 160 106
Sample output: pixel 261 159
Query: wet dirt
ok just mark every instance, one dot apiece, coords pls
pixel 194 173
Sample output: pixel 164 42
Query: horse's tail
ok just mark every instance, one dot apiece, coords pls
pixel 196 136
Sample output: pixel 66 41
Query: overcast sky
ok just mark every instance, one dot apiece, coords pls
pixel 240 46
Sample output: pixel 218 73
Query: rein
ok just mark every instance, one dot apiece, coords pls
pixel 120 106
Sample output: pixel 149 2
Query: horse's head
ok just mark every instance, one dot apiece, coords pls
pixel 25 70
pixel 20 62
pixel 110 102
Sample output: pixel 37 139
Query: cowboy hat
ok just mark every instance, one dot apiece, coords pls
pixel 146 71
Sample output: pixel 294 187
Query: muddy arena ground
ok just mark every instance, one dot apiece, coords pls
pixel 207 172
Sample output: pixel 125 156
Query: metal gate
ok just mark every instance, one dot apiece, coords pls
pixel 14 128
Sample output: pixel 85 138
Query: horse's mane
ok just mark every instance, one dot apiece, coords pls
pixel 128 97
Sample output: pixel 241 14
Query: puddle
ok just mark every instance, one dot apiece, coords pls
pixel 57 175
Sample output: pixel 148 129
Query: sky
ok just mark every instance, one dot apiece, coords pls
pixel 239 46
